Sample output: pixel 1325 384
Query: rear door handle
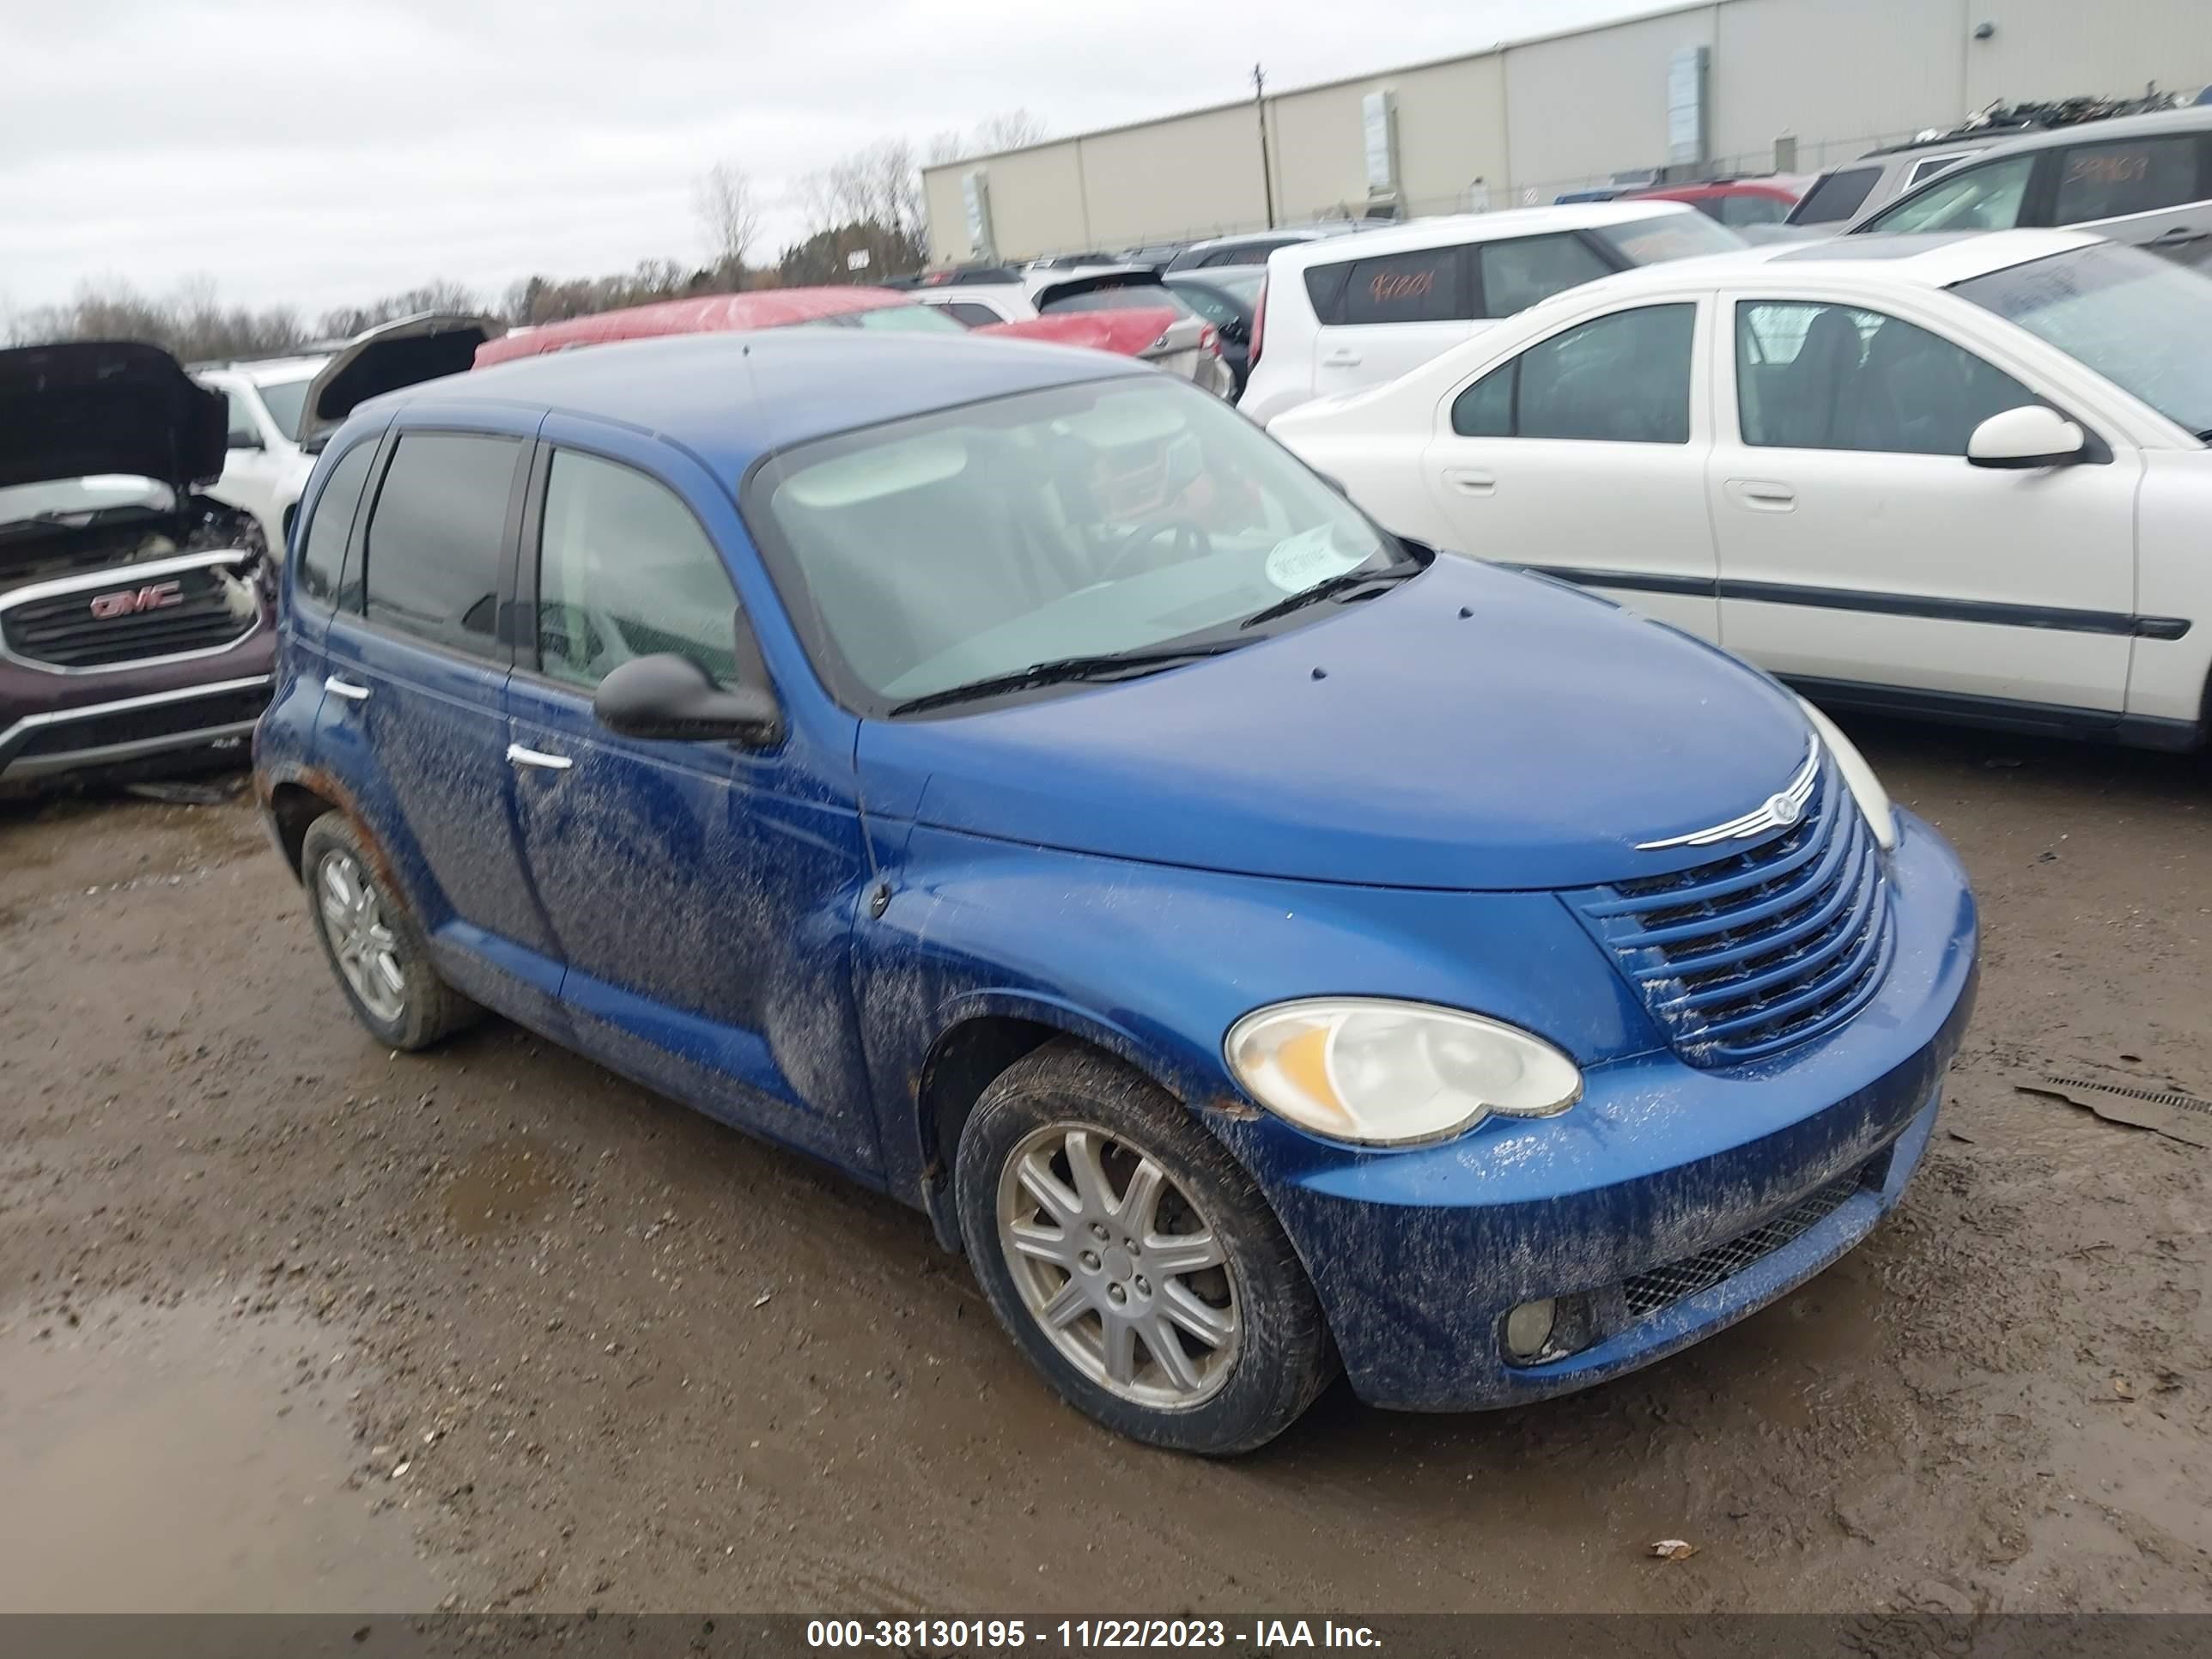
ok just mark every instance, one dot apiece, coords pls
pixel 1342 357
pixel 346 689
pixel 522 757
pixel 1762 495
pixel 1471 481
pixel 2179 236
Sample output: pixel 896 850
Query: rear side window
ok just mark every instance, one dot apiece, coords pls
pixel 1517 274
pixel 1428 285
pixel 322 550
pixel 625 571
pixel 1621 379
pixel 1836 198
pixel 1735 210
pixel 1929 166
pixel 967 312
pixel 2141 175
pixel 432 554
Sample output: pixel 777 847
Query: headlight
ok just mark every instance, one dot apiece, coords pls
pixel 1379 1073
pixel 1865 788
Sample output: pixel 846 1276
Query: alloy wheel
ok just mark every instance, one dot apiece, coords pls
pixel 1120 1269
pixel 367 950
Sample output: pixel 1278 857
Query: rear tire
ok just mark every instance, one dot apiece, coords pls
pixel 374 943
pixel 1133 1258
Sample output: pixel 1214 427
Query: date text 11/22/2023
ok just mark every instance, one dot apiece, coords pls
pixel 1084 1635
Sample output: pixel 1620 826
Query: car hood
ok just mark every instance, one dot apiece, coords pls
pixel 383 359
pixel 1471 729
pixel 99 407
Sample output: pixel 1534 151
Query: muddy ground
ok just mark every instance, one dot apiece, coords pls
pixel 287 1321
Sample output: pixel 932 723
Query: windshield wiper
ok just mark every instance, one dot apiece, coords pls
pixel 1110 665
pixel 1332 588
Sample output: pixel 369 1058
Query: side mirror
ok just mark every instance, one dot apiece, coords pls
pixel 671 696
pixel 2026 437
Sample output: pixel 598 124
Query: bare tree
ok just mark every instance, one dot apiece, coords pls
pixel 442 295
pixel 1008 130
pixel 729 214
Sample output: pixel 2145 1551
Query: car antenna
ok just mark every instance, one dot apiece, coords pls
pixel 878 885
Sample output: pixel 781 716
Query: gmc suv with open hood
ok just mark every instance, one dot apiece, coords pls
pixel 135 612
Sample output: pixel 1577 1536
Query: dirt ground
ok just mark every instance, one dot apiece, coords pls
pixel 287 1320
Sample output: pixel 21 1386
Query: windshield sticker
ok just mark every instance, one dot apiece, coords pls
pixel 1296 562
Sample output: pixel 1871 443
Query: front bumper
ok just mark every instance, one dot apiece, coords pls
pixel 116 718
pixel 1669 1203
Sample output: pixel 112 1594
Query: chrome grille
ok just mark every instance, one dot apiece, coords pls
pixel 64 630
pixel 1647 1293
pixel 1742 957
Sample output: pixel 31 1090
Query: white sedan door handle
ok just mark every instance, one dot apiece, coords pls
pixel 1764 497
pixel 1342 357
pixel 1471 481
pixel 521 756
pixel 346 689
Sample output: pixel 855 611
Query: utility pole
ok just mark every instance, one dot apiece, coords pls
pixel 1267 174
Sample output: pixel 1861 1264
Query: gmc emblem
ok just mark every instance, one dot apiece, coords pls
pixel 130 601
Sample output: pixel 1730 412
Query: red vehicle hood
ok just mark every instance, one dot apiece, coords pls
pixel 1125 333
pixel 712 313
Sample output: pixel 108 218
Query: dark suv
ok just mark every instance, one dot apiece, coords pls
pixel 135 614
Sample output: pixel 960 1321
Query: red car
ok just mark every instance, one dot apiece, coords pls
pixel 1737 202
pixel 1162 335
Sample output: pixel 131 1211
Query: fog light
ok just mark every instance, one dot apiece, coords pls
pixel 1529 1328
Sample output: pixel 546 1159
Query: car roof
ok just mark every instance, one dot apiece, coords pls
pixel 1450 229
pixel 1933 259
pixel 265 371
pixel 730 399
pixel 1313 233
pixel 2195 118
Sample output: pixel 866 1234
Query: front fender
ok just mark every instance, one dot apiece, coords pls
pixel 1154 963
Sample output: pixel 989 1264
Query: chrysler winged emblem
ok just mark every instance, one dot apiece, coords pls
pixel 1776 812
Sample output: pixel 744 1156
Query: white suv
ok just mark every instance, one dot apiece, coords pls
pixel 1353 312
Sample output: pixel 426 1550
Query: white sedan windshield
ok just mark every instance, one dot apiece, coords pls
pixel 2143 322
pixel 1114 517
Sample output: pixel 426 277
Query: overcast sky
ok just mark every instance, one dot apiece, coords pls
pixel 319 152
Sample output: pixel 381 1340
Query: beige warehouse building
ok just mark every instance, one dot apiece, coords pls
pixel 1708 86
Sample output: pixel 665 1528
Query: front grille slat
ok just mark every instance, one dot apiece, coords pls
pixel 1743 957
pixel 62 632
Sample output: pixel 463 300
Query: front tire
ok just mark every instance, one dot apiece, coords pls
pixel 1133 1258
pixel 373 943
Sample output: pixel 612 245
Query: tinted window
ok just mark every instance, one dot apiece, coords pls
pixel 898 319
pixel 1984 197
pixel 2104 181
pixel 1216 308
pixel 284 401
pixel 1424 286
pixel 1828 377
pixel 245 432
pixel 1836 197
pixel 971 314
pixel 625 571
pixel 434 538
pixel 1749 209
pixel 1126 297
pixel 1621 379
pixel 1517 274
pixel 1929 166
pixel 322 550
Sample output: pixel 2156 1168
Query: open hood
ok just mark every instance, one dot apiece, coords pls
pixel 400 353
pixel 97 407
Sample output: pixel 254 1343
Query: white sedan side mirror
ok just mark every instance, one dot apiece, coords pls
pixel 2029 436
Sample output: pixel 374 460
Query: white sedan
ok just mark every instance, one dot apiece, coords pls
pixel 1964 477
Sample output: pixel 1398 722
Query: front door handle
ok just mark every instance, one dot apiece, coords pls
pixel 2179 236
pixel 1471 481
pixel 1763 495
pixel 346 689
pixel 521 756
pixel 1342 357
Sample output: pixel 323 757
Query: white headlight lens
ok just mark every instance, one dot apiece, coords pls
pixel 1381 1074
pixel 1865 788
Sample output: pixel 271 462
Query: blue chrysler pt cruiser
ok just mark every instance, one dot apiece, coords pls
pixel 1263 944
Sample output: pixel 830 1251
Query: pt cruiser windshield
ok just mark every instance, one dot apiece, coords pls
pixel 1087 531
